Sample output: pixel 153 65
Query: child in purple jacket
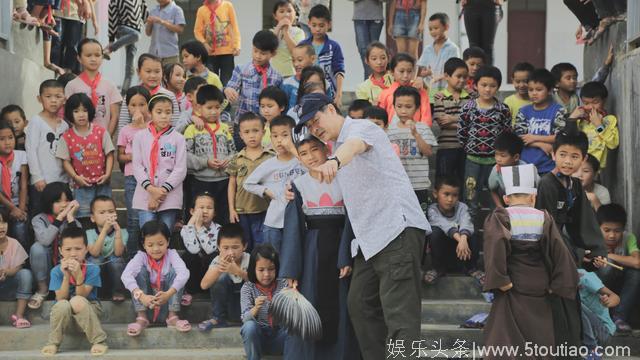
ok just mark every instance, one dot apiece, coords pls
pixel 159 165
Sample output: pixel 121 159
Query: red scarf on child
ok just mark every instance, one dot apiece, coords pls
pixel 213 6
pixel 83 267
pixel 157 286
pixel 93 84
pixel 153 156
pixel 212 132
pixel 269 292
pixel 379 83
pixel 5 160
pixel 54 244
pixel 154 90
pixel 262 70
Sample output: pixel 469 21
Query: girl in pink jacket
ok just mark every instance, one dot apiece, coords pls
pixel 159 165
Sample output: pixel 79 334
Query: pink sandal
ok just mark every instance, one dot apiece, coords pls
pixel 180 325
pixel 135 329
pixel 19 323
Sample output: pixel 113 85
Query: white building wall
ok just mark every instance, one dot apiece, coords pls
pixel 560 44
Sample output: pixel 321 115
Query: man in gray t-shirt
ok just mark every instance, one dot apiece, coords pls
pixel 388 223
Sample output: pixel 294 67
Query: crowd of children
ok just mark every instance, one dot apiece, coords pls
pixel 243 195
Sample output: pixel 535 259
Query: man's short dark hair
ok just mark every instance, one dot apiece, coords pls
pixel 209 93
pixel 377 113
pixel 320 12
pixel 453 64
pixel 231 231
pixel 489 72
pixel 594 89
pixel 509 142
pixel 560 68
pixel 446 180
pixel 522 66
pixel 474 52
pixel 72 232
pixel 197 49
pixel 276 94
pixel 544 77
pixel 614 213
pixel 442 17
pixel 266 40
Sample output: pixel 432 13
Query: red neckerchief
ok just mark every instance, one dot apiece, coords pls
pixel 212 20
pixel 54 244
pixel 83 267
pixel 379 83
pixel 93 84
pixel 153 156
pixel 154 90
pixel 212 132
pixel 269 292
pixel 49 18
pixel 262 70
pixel 406 5
pixel 5 160
pixel 65 4
pixel 157 266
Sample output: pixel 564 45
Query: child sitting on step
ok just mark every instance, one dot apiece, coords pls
pixel 76 284
pixel 156 277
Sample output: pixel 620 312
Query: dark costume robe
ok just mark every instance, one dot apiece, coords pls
pixel 315 246
pixel 523 246
pixel 566 201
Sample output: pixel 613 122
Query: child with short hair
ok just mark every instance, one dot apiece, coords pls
pixel 244 207
pixel 302 55
pixel 622 249
pixel 520 75
pixel 104 95
pixel 270 178
pixel 435 55
pixel 216 27
pixel 446 112
pixel 565 200
pixel 76 284
pixel 58 212
pixel 209 150
pixel 508 149
pixel 311 80
pixel 250 79
pixel 453 246
pixel 315 256
pixel 378 116
pixel 414 139
pixel 87 153
pixel 225 277
pixel 377 58
pixel 596 193
pixel 256 295
pixel 284 15
pixel 200 238
pixel 14 180
pixel 601 128
pixel 528 267
pixel 329 52
pixel 156 277
pixel 137 98
pixel 597 325
pixel 273 103
pixel 475 58
pixel 537 124
pixel 403 68
pixel 173 79
pixel 482 120
pixel 150 74
pixel 190 115
pixel 107 243
pixel 14 115
pixel 15 281
pixel 43 135
pixel 566 77
pixel 163 25
pixel 194 58
pixel 357 108
pixel 159 166
pixel 406 24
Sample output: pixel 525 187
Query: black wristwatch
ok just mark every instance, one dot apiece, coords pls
pixel 336 160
